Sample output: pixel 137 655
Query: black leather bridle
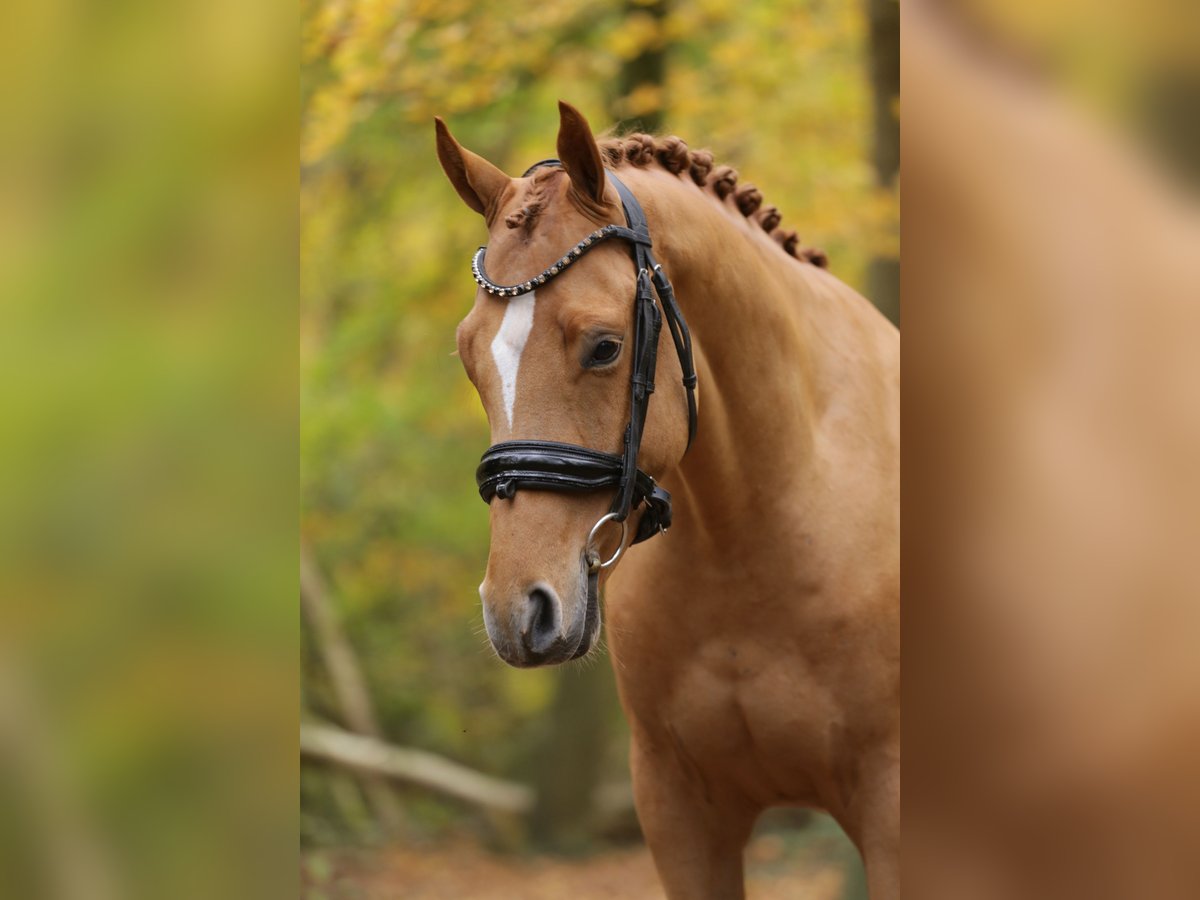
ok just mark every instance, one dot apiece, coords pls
pixel 549 465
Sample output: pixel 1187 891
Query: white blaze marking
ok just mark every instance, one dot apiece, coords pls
pixel 508 344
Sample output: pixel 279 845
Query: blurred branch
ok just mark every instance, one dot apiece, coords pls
pixel 419 767
pixel 349 685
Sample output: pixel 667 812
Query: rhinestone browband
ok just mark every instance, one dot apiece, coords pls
pixel 516 290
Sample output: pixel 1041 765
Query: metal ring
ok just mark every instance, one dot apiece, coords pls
pixel 608 517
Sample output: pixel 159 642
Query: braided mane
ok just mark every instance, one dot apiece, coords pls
pixel 672 154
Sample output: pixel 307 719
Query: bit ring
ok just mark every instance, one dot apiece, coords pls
pixel 594 563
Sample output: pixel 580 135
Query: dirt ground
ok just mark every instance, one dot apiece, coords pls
pixel 776 868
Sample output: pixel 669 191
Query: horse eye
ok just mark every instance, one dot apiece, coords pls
pixel 604 352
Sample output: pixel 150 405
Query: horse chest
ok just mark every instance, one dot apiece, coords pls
pixel 733 714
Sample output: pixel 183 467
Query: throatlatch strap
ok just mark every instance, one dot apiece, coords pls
pixel 644 259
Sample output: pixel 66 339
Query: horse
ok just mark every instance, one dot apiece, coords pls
pixel 754 630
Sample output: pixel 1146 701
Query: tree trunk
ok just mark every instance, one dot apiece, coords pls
pixel 883 275
pixel 570 758
pixel 646 70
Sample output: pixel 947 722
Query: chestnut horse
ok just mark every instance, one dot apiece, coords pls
pixel 757 644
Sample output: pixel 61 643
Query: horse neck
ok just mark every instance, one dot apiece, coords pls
pixel 778 345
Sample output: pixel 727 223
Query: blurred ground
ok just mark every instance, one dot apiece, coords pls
pixel 777 867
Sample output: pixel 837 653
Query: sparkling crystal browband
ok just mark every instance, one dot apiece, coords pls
pixel 516 290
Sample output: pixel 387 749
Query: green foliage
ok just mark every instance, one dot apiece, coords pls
pixel 392 429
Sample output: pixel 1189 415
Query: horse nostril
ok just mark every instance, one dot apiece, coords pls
pixel 542 625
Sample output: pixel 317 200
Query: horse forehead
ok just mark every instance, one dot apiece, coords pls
pixel 514 255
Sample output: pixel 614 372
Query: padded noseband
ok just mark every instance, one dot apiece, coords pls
pixel 549 465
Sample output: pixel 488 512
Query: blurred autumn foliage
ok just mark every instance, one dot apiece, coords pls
pixel 391 429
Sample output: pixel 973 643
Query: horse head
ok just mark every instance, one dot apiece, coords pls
pixel 553 360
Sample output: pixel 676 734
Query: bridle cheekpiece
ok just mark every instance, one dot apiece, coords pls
pixel 549 465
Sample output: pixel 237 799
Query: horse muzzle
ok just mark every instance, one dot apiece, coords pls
pixel 538 627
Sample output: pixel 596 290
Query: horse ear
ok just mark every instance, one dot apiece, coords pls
pixel 579 153
pixel 477 181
